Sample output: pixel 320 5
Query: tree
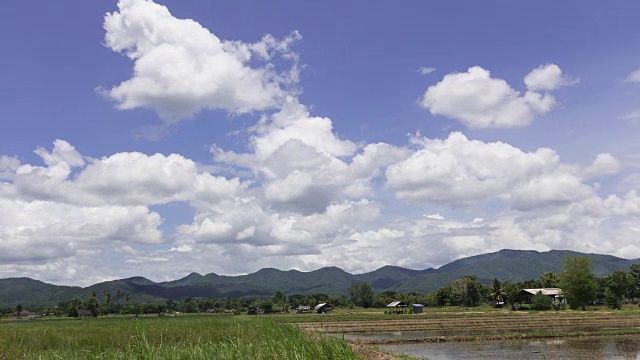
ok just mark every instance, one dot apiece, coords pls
pixel 512 292
pixel 19 310
pixel 497 294
pixel 361 294
pixel 577 282
pixel 617 285
pixel 108 302
pixel 467 291
pixel 93 304
pixel 549 280
pixel 73 307
pixel 278 299
pixel 634 286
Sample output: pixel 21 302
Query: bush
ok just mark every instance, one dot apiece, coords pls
pixel 541 302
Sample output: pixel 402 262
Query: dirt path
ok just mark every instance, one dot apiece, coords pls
pixel 372 354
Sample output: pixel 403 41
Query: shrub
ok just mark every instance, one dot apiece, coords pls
pixel 541 302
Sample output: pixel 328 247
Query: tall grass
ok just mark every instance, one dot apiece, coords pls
pixel 187 337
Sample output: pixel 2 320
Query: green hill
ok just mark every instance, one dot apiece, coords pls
pixel 517 265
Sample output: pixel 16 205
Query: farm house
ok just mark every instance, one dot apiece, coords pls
pixel 554 293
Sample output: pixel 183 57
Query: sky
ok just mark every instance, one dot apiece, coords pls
pixel 160 138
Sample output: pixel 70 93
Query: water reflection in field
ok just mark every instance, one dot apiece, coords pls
pixel 620 347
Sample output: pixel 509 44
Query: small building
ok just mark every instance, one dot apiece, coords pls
pixel 303 309
pixel 398 307
pixel 323 308
pixel 417 308
pixel 84 313
pixel 23 313
pixel 554 293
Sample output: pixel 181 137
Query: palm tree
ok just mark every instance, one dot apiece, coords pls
pixel 497 294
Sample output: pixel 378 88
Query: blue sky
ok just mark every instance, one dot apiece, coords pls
pixel 160 138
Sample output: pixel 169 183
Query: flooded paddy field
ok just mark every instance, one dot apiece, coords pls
pixel 505 335
pixel 619 347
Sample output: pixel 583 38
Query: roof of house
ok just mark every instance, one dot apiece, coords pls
pixel 320 306
pixel 396 303
pixel 417 305
pixel 545 291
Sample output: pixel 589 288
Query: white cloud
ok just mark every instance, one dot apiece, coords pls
pixel 603 164
pixel 62 152
pixel 47 230
pixel 634 76
pixel 426 70
pixel 181 68
pixel 8 167
pixel 480 101
pixel 546 78
pixel 632 116
pixel 461 171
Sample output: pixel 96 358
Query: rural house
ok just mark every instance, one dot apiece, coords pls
pixel 554 293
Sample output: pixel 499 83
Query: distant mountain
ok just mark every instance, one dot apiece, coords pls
pixel 517 265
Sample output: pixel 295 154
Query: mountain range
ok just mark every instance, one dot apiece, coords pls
pixel 515 265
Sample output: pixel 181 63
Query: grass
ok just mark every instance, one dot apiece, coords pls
pixel 187 337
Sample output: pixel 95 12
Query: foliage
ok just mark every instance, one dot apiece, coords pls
pixel 93 304
pixel 549 280
pixel 189 337
pixel 541 302
pixel 361 294
pixel 634 281
pixel 497 294
pixel 617 285
pixel 577 282
pixel 505 264
pixel 512 292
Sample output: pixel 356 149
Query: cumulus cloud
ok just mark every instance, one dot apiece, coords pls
pixel 603 164
pixel 181 67
pixel 303 166
pixel 546 78
pixel 8 167
pixel 457 170
pixel 480 101
pixel 40 230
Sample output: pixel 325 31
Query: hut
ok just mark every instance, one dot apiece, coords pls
pixel 554 293
pixel 397 306
pixel 84 313
pixel 323 308
pixel 303 309
pixel 417 308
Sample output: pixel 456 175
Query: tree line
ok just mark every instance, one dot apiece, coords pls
pixel 580 287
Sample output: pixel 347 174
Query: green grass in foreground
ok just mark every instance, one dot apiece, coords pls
pixel 188 337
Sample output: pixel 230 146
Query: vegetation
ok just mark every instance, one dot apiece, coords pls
pixel 186 337
pixel 361 294
pixel 514 265
pixel 541 302
pixel 577 282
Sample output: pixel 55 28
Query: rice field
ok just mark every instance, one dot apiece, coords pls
pixel 479 326
pixel 180 337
